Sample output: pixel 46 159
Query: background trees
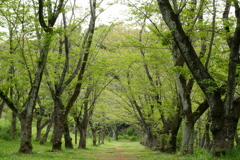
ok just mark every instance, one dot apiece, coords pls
pixel 139 73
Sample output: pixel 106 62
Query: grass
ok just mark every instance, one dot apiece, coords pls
pixel 109 150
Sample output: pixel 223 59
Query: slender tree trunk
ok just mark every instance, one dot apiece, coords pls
pixel 39 121
pixel 75 133
pixel 99 137
pixel 1 108
pixel 45 136
pixel 103 135
pixel 94 134
pixel 67 137
pixel 237 139
pixel 14 125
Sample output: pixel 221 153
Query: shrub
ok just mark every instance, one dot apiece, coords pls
pixel 6 130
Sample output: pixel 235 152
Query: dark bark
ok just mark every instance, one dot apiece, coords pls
pixel 103 135
pixel 75 133
pixel 14 125
pixel 94 134
pixel 67 137
pixel 206 141
pixel 41 125
pixel 171 128
pixel 83 138
pixel 61 112
pixel 58 121
pixel 45 136
pixel 1 108
pixel 223 129
pixel 223 122
pixel 26 135
pixel 99 137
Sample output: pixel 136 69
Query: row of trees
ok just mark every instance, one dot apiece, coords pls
pixel 157 76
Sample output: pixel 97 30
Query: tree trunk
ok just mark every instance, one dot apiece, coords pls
pixel 224 119
pixel 26 134
pixel 67 137
pixel 115 132
pixel 83 138
pixel 150 140
pixel 14 125
pixel 187 137
pixel 99 137
pixel 237 139
pixel 94 134
pixel 58 122
pixel 76 133
pixel 39 121
pixel 1 108
pixel 44 138
pixel 223 129
pixel 103 135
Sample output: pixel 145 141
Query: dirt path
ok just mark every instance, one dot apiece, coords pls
pixel 120 155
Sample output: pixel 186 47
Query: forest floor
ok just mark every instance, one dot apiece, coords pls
pixel 114 150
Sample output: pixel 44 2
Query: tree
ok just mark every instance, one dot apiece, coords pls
pixel 25 112
pixel 61 110
pixel 224 113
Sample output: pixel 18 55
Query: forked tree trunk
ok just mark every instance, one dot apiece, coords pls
pixel 45 136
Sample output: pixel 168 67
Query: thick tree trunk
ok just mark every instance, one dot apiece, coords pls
pixel 83 138
pixel 150 140
pixel 26 134
pixel 58 130
pixel 223 130
pixel 67 137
